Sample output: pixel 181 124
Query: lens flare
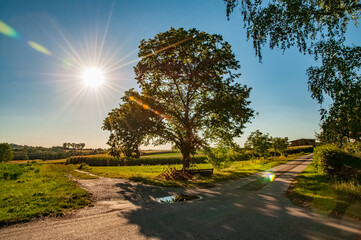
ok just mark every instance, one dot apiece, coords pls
pixel 67 63
pixel 271 177
pixel 39 48
pixel 8 31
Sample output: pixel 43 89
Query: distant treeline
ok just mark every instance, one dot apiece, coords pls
pixel 57 152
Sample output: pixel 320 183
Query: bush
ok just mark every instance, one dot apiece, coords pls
pixel 11 171
pixel 111 161
pixel 222 156
pixel 330 159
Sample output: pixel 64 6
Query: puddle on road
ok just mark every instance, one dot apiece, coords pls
pixel 178 198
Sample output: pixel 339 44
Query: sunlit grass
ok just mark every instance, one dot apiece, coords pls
pixel 322 193
pixel 148 174
pixel 40 190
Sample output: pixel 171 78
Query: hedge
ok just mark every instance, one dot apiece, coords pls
pixel 330 159
pixel 111 161
pixel 304 149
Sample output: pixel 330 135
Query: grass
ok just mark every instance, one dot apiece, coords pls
pixel 38 190
pixel 148 174
pixel 320 192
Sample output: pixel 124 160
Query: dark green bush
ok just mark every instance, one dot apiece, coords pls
pixel 111 161
pixel 330 159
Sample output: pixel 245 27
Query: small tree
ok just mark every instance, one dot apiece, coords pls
pixel 258 143
pixel 6 153
pixel 280 144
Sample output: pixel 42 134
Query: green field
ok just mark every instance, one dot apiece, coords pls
pixel 37 189
pixel 320 192
pixel 34 190
pixel 148 174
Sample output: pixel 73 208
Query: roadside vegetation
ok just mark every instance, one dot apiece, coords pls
pixel 151 174
pixel 332 183
pixel 34 190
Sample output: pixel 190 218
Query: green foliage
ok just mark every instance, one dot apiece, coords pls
pixel 30 153
pixel 129 125
pixel 354 148
pixel 111 161
pixel 338 77
pixel 280 144
pixel 6 153
pixel 258 143
pixel 148 174
pixel 222 155
pixel 187 79
pixel 40 190
pixel 74 145
pixel 330 159
pixel 323 193
pixel 11 171
pixel 295 22
pixel 218 156
pixel 301 149
pixel 327 158
pixel 317 28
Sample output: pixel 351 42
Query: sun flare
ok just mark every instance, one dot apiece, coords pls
pixel 93 77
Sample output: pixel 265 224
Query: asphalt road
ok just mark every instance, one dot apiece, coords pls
pixel 241 209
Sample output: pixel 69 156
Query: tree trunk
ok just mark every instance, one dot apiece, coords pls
pixel 186 157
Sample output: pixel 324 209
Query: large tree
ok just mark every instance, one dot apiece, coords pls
pixel 187 78
pixel 317 28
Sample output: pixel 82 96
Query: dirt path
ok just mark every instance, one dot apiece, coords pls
pixel 234 210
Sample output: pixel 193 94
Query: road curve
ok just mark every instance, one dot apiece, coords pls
pixel 239 209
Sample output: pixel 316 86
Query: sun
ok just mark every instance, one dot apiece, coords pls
pixel 93 77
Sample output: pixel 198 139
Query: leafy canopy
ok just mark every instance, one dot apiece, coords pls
pixel 187 80
pixel 258 143
pixel 317 28
pixel 280 144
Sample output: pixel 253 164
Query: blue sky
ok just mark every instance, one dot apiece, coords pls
pixel 43 100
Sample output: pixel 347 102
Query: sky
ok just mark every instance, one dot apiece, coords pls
pixel 45 102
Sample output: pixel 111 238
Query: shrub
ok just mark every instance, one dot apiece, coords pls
pixel 11 171
pixel 330 159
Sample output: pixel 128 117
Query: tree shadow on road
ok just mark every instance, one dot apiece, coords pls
pixel 237 214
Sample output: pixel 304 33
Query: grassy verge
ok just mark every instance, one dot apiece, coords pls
pixel 148 174
pixel 320 192
pixel 33 190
